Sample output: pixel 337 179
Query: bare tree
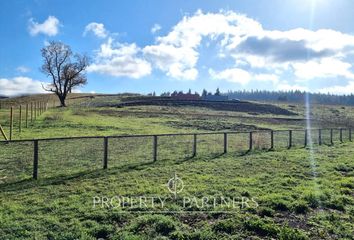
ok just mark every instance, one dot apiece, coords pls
pixel 66 69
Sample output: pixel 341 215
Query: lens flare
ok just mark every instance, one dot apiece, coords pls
pixel 311 156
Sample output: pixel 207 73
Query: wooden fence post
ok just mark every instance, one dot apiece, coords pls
pixel 27 115
pixel 11 122
pixel 154 152
pixel 341 135
pixel 350 134
pixel 31 111
pixel 319 136
pixel 35 159
pixel 194 145
pixel 35 110
pixel 3 133
pixel 305 138
pixel 290 139
pixel 331 136
pixel 20 120
pixel 105 152
pixel 271 139
pixel 225 142
pixel 251 141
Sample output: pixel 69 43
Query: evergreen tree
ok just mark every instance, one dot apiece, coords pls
pixel 217 92
pixel 204 93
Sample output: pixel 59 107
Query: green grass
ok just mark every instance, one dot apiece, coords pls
pixel 300 193
pixel 293 204
pixel 81 119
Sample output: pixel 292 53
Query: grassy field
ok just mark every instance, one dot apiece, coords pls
pixel 83 119
pixel 301 193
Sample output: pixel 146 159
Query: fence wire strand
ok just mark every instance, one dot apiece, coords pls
pixel 16 161
pixel 70 156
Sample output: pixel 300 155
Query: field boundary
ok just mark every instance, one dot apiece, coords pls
pixel 256 139
pixel 22 115
pixel 176 134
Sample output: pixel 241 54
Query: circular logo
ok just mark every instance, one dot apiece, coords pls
pixel 175 185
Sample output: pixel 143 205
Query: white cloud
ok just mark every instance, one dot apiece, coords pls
pixel 155 28
pixel 75 90
pixel 238 75
pixel 264 77
pixel 284 86
pixel 190 30
pixel 120 60
pixel 235 75
pixel 177 62
pixel 19 85
pixel 257 54
pixel 347 89
pixel 305 54
pixel 324 68
pixel 49 27
pixel 177 52
pixel 96 28
pixel 248 43
pixel 23 69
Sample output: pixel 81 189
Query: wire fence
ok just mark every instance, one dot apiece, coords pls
pixel 15 118
pixel 46 158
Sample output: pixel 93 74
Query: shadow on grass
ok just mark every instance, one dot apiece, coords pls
pixel 80 175
pixel 113 170
pixel 98 173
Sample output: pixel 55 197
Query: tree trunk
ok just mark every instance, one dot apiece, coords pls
pixel 62 101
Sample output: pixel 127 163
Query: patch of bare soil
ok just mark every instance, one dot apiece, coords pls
pixel 213 125
pixel 237 106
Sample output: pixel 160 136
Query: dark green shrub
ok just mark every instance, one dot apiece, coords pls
pixel 301 207
pixel 287 233
pixel 268 212
pixel 261 227
pixel 226 226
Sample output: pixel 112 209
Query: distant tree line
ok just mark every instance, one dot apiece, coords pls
pixel 204 93
pixel 291 96
pixel 276 96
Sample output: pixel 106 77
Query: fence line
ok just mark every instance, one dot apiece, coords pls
pixel 22 115
pixel 257 140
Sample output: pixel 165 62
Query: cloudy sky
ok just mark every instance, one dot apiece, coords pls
pixel 144 46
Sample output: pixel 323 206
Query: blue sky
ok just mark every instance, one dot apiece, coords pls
pixel 145 46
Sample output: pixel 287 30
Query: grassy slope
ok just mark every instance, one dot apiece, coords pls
pixel 79 120
pixel 292 203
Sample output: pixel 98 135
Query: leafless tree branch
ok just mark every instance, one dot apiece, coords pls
pixel 65 73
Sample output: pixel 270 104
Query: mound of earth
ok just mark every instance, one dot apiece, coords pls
pixel 237 106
